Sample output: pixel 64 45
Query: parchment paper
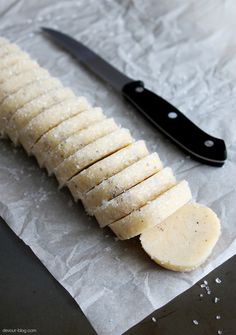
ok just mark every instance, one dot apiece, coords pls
pixel 184 51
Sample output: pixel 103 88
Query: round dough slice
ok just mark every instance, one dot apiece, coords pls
pixel 77 141
pixel 184 240
pixel 15 83
pixel 135 197
pixel 49 119
pixel 152 213
pixel 11 59
pixel 17 68
pixel 34 107
pixel 105 168
pixel 27 93
pixel 122 181
pixel 8 48
pixel 92 153
pixel 65 129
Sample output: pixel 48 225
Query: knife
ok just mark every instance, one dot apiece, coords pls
pixel 164 116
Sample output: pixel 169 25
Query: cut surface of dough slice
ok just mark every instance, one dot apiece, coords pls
pixel 135 197
pixel 50 118
pixel 77 141
pixel 8 48
pixel 14 83
pixel 122 181
pixel 92 153
pixel 34 107
pixel 184 240
pixel 17 68
pixel 65 129
pixel 105 168
pixel 11 59
pixel 17 100
pixel 153 213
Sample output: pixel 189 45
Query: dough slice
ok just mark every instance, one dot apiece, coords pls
pixel 65 129
pixel 77 141
pixel 49 119
pixel 184 240
pixel 3 41
pixel 15 83
pixel 153 213
pixel 92 153
pixel 8 48
pixel 27 93
pixel 122 181
pixel 34 107
pixel 11 59
pixel 17 68
pixel 105 168
pixel 135 197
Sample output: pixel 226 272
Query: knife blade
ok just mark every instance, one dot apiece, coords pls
pixel 163 115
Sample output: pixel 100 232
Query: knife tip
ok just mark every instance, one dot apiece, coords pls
pixel 46 30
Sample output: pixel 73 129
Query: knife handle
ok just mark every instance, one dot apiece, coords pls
pixel 175 125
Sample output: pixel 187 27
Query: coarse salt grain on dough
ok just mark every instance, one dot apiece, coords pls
pixel 105 168
pixel 122 181
pixel 135 197
pixel 91 153
pixel 18 81
pixel 8 48
pixel 78 140
pixel 9 60
pixel 184 240
pixel 34 107
pixel 17 68
pixel 65 129
pixel 153 213
pixel 50 118
pixel 17 100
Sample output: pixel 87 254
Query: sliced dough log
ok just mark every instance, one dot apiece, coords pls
pixel 11 59
pixel 122 181
pixel 65 129
pixel 8 48
pixel 21 66
pixel 17 100
pixel 77 141
pixel 50 118
pixel 184 240
pixel 135 197
pixel 91 153
pixel 34 107
pixel 153 213
pixel 105 168
pixel 15 83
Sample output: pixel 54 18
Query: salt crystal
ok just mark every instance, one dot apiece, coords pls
pixel 220 332
pixel 216 300
pixel 205 282
pixel 218 317
pixel 202 285
pixel 195 322
pixel 201 295
pixel 154 319
pixel 218 280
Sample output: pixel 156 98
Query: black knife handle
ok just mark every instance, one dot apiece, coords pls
pixel 175 125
